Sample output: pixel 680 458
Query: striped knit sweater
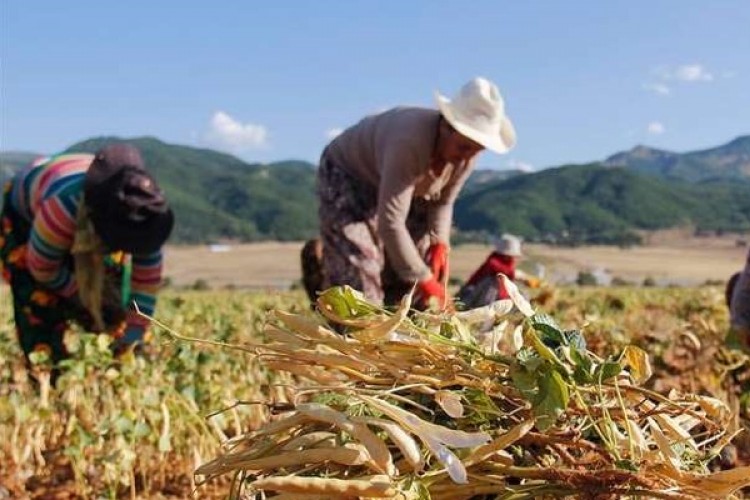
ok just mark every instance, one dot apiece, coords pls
pixel 48 194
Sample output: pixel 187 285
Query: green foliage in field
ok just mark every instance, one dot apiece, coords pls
pixel 118 424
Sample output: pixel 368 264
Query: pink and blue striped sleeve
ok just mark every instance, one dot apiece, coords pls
pixel 50 241
pixel 146 280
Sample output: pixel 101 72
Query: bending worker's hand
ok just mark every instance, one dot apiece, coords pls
pixel 428 290
pixel 130 333
pixel 437 260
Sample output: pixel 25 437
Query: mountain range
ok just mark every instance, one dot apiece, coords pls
pixel 728 162
pixel 219 197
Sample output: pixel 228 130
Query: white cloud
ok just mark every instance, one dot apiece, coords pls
pixel 655 128
pixel 659 88
pixel 684 73
pixel 334 132
pixel 229 134
pixel 520 165
pixel 693 73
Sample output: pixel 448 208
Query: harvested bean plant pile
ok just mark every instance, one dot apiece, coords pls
pixel 496 402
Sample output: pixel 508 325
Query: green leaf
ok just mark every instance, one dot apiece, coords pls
pixel 122 425
pixel 346 303
pixel 481 408
pixel 335 299
pixel 39 358
pixel 550 333
pixel 102 342
pixel 77 370
pixel 85 438
pixel 607 370
pixel 530 337
pixel 527 357
pixel 414 489
pixel 552 399
pixel 575 339
pixel 141 430
pixel 583 365
pixel 524 380
pixel 459 331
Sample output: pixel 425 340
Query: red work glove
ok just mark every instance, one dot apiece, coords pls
pixel 437 260
pixel 428 289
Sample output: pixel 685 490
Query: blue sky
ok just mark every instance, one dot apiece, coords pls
pixel 271 80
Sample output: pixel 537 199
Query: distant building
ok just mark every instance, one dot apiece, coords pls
pixel 602 276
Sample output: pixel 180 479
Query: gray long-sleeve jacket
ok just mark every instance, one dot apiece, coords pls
pixel 392 151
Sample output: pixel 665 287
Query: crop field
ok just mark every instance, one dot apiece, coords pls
pixel 139 428
pixel 136 426
pixel 667 259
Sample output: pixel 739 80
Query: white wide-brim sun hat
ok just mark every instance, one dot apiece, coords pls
pixel 478 112
pixel 508 244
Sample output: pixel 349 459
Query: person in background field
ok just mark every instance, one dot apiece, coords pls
pixel 729 289
pixel 738 294
pixel 485 286
pixel 387 187
pixel 312 272
pixel 80 240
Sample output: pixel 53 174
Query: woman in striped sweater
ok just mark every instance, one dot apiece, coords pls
pixel 80 240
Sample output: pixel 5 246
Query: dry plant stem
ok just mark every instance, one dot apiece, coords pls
pixel 564 455
pixel 318 374
pixel 559 491
pixel 596 413
pixel 185 338
pixel 658 397
pixel 541 440
pixel 325 359
pixel 361 390
pixel 565 476
pixel 593 422
pixel 621 402
pixel 344 456
pixel 454 492
pixel 366 378
pixel 237 403
pixel 461 492
pixel 337 488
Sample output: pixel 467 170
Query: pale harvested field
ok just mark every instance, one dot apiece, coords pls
pixel 682 265
pixel 684 261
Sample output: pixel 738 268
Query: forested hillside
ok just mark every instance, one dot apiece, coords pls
pixel 217 196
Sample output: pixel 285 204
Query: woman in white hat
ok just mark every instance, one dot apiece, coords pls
pixel 485 285
pixel 387 186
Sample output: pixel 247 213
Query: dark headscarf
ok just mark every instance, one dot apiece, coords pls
pixel 126 206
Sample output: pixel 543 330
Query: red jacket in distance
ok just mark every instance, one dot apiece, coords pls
pixel 496 263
